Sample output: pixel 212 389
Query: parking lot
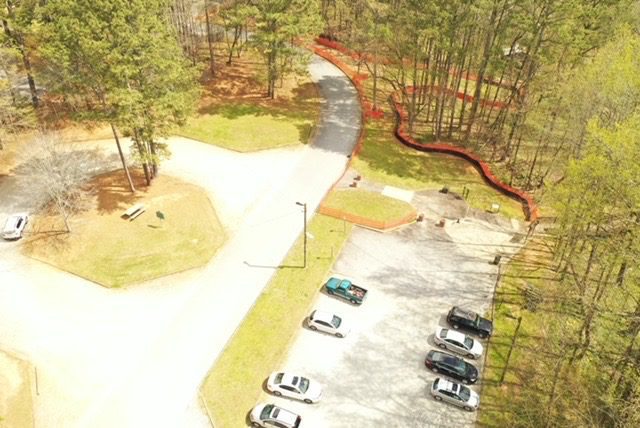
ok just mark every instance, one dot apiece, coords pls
pixel 375 377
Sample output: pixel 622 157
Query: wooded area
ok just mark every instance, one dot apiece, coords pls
pixel 546 91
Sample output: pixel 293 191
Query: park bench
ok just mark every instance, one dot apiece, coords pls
pixel 134 212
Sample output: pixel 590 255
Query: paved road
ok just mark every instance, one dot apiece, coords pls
pixel 133 358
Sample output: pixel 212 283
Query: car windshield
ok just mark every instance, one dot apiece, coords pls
pixel 468 342
pixel 336 321
pixel 443 332
pixel 266 412
pixel 304 384
pixel 476 321
pixel 464 393
pixel 278 378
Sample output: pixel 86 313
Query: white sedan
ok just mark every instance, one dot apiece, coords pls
pixel 292 386
pixel 458 342
pixel 329 323
pixel 269 415
pixel 14 226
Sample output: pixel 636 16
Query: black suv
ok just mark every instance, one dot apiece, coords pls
pixel 457 368
pixel 470 321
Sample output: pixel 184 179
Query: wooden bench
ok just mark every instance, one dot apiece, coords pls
pixel 134 212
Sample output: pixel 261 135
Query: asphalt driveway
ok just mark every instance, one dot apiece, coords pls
pixel 376 376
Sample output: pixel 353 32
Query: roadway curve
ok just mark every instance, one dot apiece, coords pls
pixel 136 357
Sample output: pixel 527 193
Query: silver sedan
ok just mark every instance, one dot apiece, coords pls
pixel 457 342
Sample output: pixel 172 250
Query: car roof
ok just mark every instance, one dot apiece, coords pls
pixel 452 334
pixel 322 316
pixel 284 415
pixel 12 221
pixel 288 378
pixel 464 313
pixel 443 356
pixel 444 384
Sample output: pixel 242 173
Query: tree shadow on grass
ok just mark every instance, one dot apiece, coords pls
pixel 113 191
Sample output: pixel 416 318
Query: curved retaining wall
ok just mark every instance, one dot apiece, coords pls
pixel 529 206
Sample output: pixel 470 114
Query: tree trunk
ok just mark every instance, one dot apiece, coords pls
pixel 124 162
pixel 212 61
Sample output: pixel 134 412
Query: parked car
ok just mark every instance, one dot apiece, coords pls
pixel 452 366
pixel 293 386
pixel 270 415
pixel 14 226
pixel 329 323
pixel 454 393
pixel 457 342
pixel 346 289
pixel 463 319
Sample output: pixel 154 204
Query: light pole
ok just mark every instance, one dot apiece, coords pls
pixel 304 231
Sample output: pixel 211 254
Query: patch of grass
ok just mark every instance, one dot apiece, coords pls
pixel 113 251
pixel 235 382
pixel 248 127
pixel 370 205
pixel 16 404
pixel 385 160
pixel 532 353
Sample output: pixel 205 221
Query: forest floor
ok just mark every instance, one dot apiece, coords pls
pixel 235 113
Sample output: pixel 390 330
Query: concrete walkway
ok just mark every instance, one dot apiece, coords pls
pixel 136 358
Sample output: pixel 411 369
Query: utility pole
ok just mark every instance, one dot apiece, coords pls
pixel 304 231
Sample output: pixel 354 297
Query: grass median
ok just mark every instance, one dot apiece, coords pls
pixel 234 384
pixel 112 251
pixel 369 205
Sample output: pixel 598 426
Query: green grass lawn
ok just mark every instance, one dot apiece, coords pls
pixel 234 383
pixel 370 205
pixel 385 160
pixel 248 127
pixel 114 252
pixel 16 402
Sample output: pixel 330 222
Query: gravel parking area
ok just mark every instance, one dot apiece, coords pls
pixel 376 376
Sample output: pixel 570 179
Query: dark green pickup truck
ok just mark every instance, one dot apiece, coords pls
pixel 346 289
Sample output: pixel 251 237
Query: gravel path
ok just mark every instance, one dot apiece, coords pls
pixel 136 357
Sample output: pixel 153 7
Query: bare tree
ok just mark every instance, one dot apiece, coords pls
pixel 59 173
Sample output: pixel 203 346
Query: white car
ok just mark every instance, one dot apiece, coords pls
pixel 270 415
pixel 329 323
pixel 457 342
pixel 454 393
pixel 292 386
pixel 14 226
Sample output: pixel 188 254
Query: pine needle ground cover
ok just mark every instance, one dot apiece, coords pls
pixel 386 161
pixel 235 114
pixel 112 251
pixel 234 384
